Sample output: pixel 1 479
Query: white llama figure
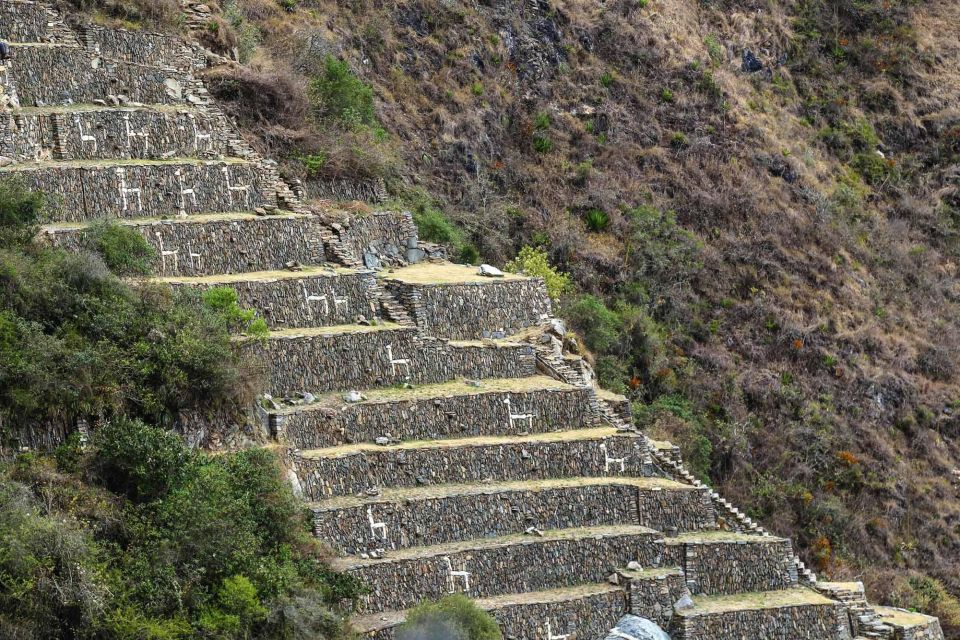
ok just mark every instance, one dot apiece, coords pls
pixel 607 460
pixel 200 137
pixel 339 302
pixel 196 259
pixel 127 191
pixel 375 526
pixel 550 635
pixel 144 135
pixel 165 253
pixel 453 575
pixel 184 192
pixel 394 363
pixel 231 188
pixel 84 137
pixel 518 417
pixel 314 297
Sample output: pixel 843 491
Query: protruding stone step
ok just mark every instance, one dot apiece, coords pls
pixel 499 566
pixel 789 614
pixel 458 408
pixel 421 516
pixel 84 190
pixel 653 591
pixel 453 301
pixel 721 562
pixel 94 132
pixel 309 297
pixel 56 74
pixel 353 469
pixel 908 625
pixel 212 244
pixel 581 612
pixel 361 357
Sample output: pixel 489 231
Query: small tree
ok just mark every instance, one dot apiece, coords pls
pixel 533 262
pixel 455 617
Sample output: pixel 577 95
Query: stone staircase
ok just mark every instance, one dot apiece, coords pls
pixel 444 439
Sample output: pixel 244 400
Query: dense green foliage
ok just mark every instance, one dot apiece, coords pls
pixel 455 617
pixel 341 96
pixel 139 537
pixel 78 342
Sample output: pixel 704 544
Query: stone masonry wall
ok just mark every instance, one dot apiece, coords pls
pixel 355 472
pixel 930 631
pixel 527 565
pixel 380 231
pixel 55 75
pixel 478 514
pixel 338 361
pixel 30 22
pixel 653 592
pixel 726 567
pixel 224 246
pixel 154 49
pixel 475 414
pixel 77 194
pixel 23 138
pixel 583 618
pixel 810 622
pixel 283 303
pixel 474 309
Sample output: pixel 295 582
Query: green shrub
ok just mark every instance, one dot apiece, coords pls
pixel 601 327
pixel 714 49
pixel 874 169
pixel 454 617
pixel 20 211
pixel 535 263
pixel 597 220
pixel 606 80
pixel 224 301
pixel 341 96
pixel 679 141
pixel 125 251
pixel 541 121
pixel 542 143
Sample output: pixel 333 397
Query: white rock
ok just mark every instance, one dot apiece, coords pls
pixel 352 396
pixel 633 565
pixel 490 271
pixel 5 161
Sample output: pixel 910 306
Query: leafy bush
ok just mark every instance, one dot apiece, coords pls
pixel 125 251
pixel 454 617
pixel 597 220
pixel 192 546
pixel 20 211
pixel 535 263
pixel 341 96
pixel 542 143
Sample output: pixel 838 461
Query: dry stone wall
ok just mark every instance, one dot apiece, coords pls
pixel 359 360
pixel 311 300
pixel 653 593
pixel 60 75
pixel 372 467
pixel 528 565
pixel 323 425
pixel 76 194
pixel 222 246
pixel 153 49
pixel 807 622
pixel 23 138
pixel 384 233
pixel 31 22
pixel 499 512
pixel 717 567
pixel 929 631
pixel 475 309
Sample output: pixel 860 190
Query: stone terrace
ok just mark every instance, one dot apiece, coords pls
pixel 446 441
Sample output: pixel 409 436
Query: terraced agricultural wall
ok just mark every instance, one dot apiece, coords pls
pixel 337 361
pixel 47 75
pixel 455 415
pixel 154 49
pixel 22 137
pixel 653 593
pixel 475 309
pixel 725 567
pixel 224 246
pixel 783 623
pixel 386 232
pixel 30 22
pixel 356 472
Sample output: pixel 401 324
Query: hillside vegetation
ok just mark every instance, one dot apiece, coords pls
pixel 758 204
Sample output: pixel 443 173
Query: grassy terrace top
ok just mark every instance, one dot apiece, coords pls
pixel 443 273
pixel 404 494
pixel 651 573
pixel 798 597
pixel 481 441
pixel 260 276
pixel 706 537
pixel 604 531
pixel 454 388
pixel 375 621
pixel 93 108
pixel 194 218
pixel 902 618
pixel 120 162
pixel 341 329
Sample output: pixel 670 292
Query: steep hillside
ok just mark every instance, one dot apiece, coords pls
pixel 763 244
